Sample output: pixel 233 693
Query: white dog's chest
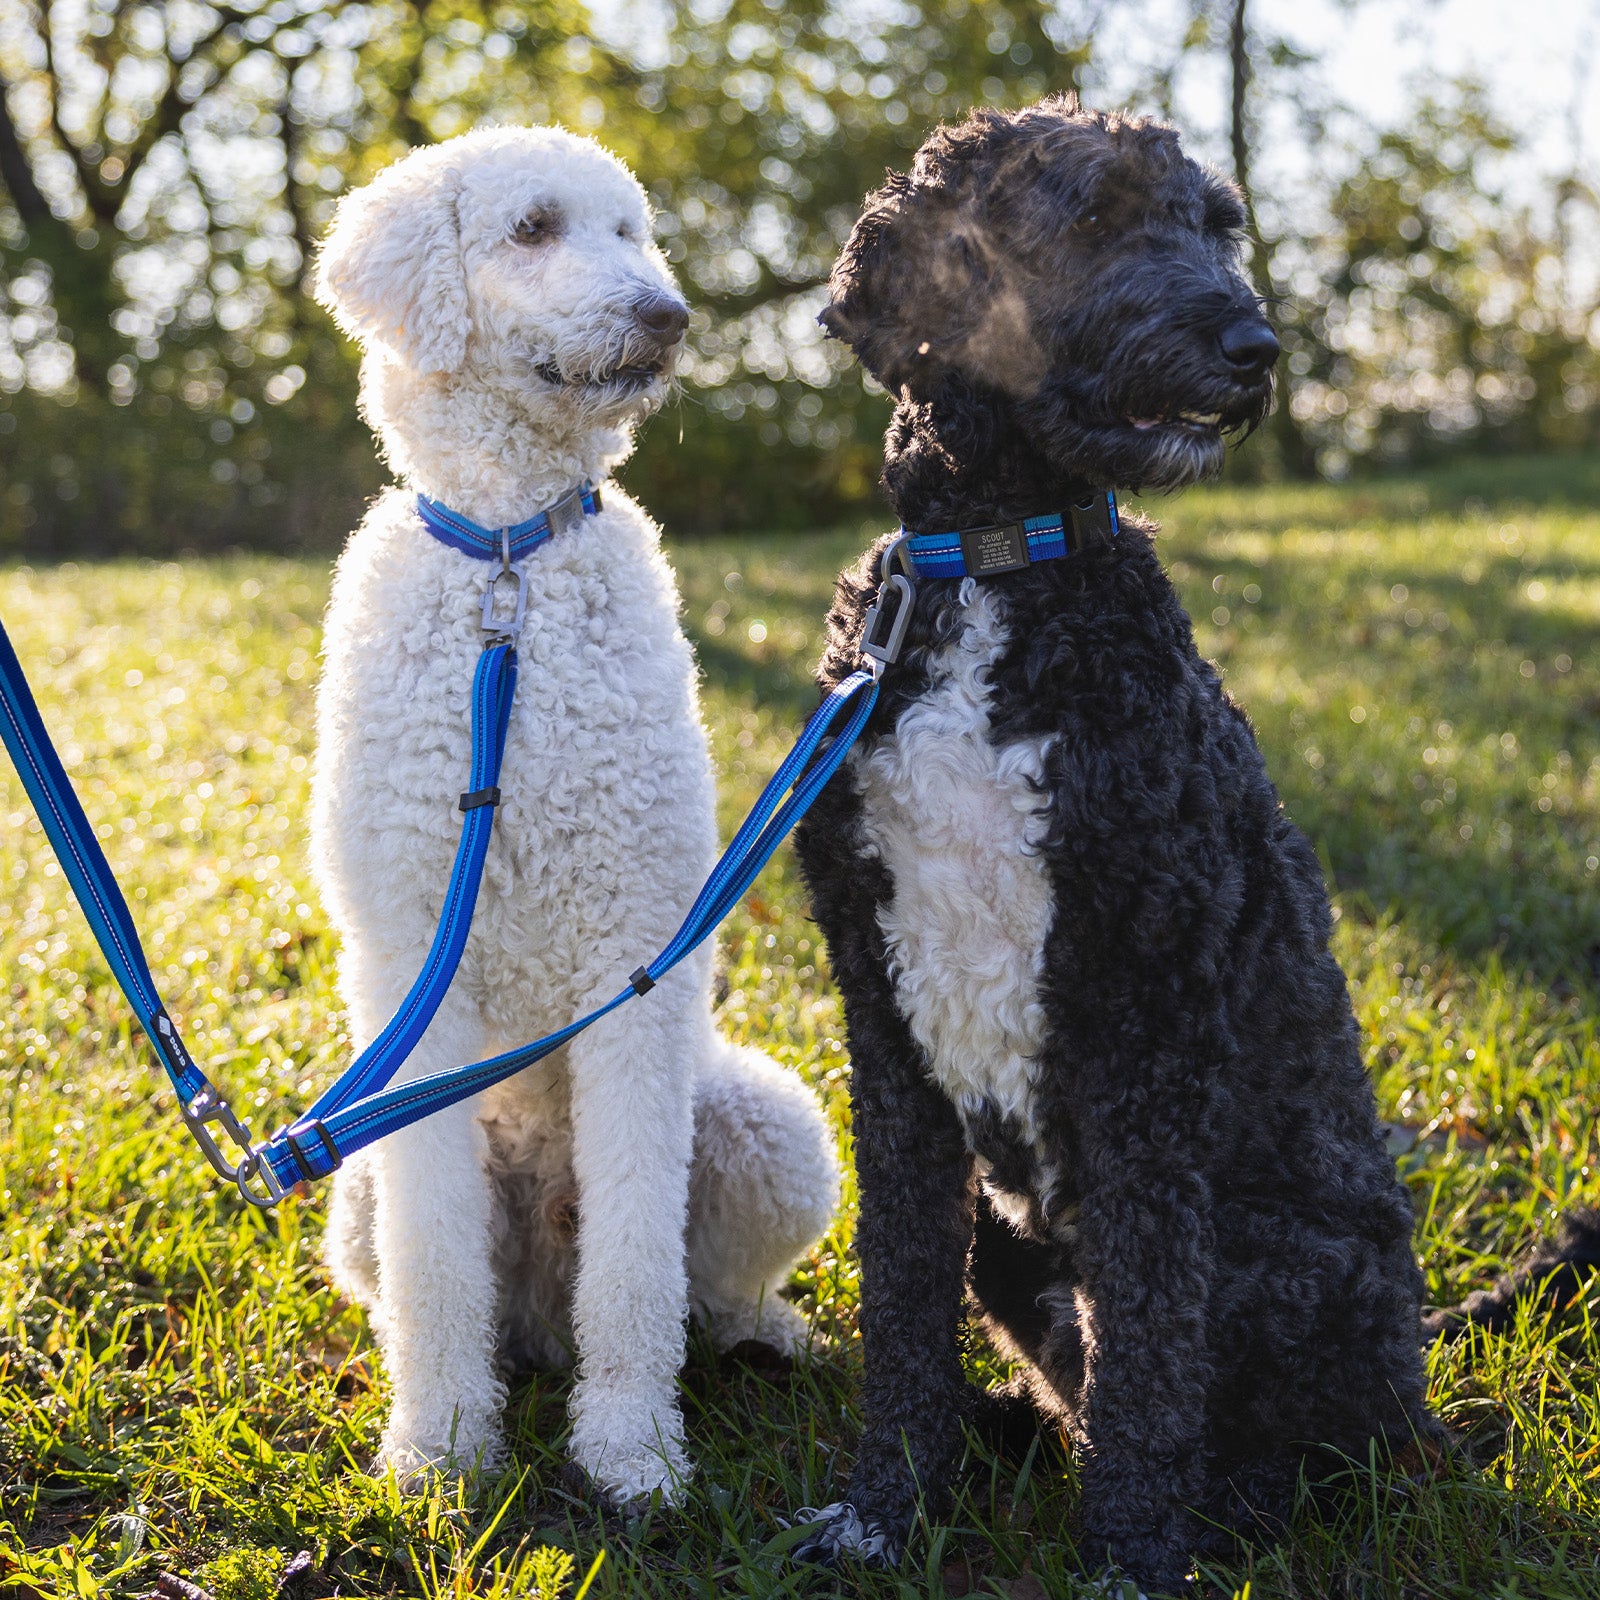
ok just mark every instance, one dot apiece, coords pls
pixel 605 827
pixel 955 818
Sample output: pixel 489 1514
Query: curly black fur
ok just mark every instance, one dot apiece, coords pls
pixel 1558 1271
pixel 1211 1276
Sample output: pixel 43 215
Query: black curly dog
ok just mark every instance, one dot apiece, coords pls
pixel 1106 1078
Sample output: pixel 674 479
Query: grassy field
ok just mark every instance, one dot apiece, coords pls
pixel 181 1390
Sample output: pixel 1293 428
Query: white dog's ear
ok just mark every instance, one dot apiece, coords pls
pixel 390 268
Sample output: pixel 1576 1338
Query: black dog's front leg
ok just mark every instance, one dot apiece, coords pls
pixel 1146 1253
pixel 912 1237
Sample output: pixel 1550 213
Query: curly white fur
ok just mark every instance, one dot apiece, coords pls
pixel 557 1214
pixel 953 815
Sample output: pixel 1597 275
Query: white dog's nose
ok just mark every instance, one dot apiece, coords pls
pixel 662 317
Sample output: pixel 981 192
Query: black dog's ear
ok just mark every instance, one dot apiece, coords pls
pixel 854 285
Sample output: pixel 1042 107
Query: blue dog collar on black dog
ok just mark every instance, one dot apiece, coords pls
pixel 498 544
pixel 1008 546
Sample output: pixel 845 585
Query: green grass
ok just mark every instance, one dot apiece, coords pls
pixel 179 1387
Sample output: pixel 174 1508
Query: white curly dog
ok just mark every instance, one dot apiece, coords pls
pixel 517 323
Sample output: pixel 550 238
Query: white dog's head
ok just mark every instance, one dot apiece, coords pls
pixel 520 259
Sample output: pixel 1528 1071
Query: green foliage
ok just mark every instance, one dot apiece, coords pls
pixel 178 1383
pixel 176 470
pixel 243 1573
pixel 1445 313
pixel 149 410
pixel 166 384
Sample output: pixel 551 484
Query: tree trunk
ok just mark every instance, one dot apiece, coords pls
pixel 83 284
pixel 1295 454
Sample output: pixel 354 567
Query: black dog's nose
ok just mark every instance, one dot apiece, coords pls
pixel 1249 346
pixel 664 318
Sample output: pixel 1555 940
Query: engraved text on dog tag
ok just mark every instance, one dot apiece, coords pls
pixel 999 549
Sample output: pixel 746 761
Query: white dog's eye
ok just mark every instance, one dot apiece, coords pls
pixel 538 227
pixel 625 231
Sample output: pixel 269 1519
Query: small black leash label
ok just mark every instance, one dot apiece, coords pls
pixel 1002 548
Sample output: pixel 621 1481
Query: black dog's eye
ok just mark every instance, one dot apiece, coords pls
pixel 538 227
pixel 1089 222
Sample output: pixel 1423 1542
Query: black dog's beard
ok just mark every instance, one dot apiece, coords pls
pixel 1118 454
pixel 1153 416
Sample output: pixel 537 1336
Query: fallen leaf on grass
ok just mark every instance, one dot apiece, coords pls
pixel 1027 1587
pixel 959 1579
pixel 169 1586
pixel 1404 1139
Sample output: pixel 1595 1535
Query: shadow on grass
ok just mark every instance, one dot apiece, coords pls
pixel 1461 798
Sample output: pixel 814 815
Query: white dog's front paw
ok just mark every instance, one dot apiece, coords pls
pixel 772 1322
pixel 416 1450
pixel 630 1450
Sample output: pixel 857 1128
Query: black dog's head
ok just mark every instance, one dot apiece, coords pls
pixel 1080 266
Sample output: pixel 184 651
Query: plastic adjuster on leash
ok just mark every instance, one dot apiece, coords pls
pixel 479 797
pixel 641 981
pixel 308 1171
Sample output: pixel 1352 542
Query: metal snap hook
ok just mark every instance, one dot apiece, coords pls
pixel 209 1106
pixel 496 630
pixel 896 549
pixel 880 654
pixel 253 1166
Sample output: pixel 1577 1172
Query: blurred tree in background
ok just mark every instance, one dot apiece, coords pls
pixel 165 166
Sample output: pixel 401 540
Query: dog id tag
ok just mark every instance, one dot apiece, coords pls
pixel 566 513
pixel 987 551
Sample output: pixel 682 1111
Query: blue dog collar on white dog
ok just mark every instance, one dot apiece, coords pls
pixel 501 544
pixel 1008 546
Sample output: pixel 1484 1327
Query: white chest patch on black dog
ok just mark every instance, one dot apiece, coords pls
pixel 955 819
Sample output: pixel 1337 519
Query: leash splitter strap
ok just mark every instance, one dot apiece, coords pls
pixel 801 777
pixel 359 1107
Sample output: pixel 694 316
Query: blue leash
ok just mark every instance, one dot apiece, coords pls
pixel 359 1108
pixel 92 881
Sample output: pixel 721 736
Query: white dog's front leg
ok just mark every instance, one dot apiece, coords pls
pixel 632 1138
pixel 432 1229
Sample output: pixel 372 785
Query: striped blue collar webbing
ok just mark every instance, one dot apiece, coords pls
pixel 489 544
pixel 1007 546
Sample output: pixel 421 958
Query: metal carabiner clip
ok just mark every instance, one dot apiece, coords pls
pixel 878 654
pixel 209 1106
pixel 253 1166
pixel 494 631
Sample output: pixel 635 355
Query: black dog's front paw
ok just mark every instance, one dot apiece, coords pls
pixel 839 1530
